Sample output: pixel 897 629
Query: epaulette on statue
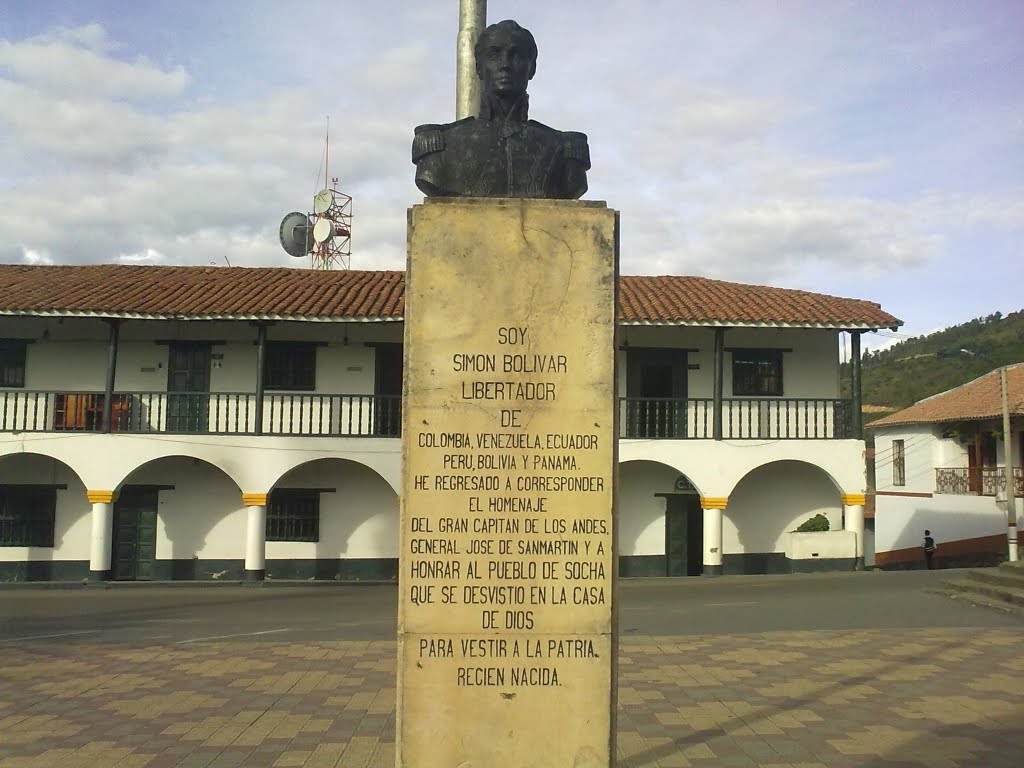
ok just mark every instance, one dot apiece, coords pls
pixel 576 147
pixel 427 139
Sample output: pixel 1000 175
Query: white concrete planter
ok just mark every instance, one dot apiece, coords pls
pixel 821 551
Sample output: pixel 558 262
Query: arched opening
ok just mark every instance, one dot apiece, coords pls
pixel 44 520
pixel 178 518
pixel 660 521
pixel 766 505
pixel 332 519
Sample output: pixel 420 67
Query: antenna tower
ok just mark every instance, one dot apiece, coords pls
pixel 325 234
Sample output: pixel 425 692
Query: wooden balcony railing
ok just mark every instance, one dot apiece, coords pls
pixel 976 481
pixel 762 419
pixel 211 413
pixel 316 415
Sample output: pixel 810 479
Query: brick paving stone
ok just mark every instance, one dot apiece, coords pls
pixel 941 698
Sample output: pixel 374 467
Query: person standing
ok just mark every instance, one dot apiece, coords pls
pixel 928 545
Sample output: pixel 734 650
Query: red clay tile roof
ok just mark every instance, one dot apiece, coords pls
pixel 678 300
pixel 118 290
pixel 976 400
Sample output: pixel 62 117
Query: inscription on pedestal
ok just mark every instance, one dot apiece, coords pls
pixel 506 563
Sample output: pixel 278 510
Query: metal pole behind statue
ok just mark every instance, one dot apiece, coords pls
pixel 472 20
pixel 1011 502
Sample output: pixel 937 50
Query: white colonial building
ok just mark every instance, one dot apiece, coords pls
pixel 941 465
pixel 226 423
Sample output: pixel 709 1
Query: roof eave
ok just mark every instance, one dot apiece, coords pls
pixel 851 326
pixel 178 316
pixel 400 318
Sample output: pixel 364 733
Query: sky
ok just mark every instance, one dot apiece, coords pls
pixel 872 150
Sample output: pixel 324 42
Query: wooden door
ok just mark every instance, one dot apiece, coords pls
pixel 656 391
pixel 387 390
pixel 188 387
pixel 684 535
pixel 134 546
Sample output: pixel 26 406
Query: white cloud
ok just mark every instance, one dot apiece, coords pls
pixel 746 144
pixel 78 129
pixel 31 256
pixel 77 63
pixel 91 36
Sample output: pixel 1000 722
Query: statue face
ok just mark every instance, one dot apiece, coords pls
pixel 505 64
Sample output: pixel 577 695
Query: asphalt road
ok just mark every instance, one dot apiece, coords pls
pixel 670 607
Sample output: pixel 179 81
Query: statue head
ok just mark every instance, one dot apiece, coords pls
pixel 506 59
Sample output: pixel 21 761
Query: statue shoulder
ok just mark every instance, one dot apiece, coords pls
pixel 574 144
pixel 432 137
pixel 576 147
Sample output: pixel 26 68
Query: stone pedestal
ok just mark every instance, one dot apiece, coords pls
pixel 506 620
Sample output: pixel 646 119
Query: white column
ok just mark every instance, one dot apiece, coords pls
pixel 853 514
pixel 256 536
pixel 102 534
pixel 713 534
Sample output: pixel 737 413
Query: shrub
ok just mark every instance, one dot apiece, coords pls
pixel 817 523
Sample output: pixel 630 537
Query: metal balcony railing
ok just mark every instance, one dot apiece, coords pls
pixel 211 413
pixel 976 481
pixel 742 419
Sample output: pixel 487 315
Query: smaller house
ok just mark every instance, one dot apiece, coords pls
pixel 941 464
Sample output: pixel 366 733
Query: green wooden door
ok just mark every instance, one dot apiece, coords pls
pixel 675 537
pixel 387 389
pixel 188 387
pixel 656 390
pixel 684 535
pixel 134 547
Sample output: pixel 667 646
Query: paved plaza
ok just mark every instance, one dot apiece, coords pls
pixel 221 677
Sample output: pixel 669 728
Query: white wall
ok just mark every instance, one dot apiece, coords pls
pixel 254 463
pixel 202 517
pixel 900 521
pixel 716 467
pixel 72 523
pixel 772 501
pixel 811 370
pixel 640 515
pixel 922 447
pixel 359 519
pixel 821 545
pixel 73 356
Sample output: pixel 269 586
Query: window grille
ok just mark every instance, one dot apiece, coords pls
pixel 899 464
pixel 12 363
pixel 293 515
pixel 290 366
pixel 757 372
pixel 27 516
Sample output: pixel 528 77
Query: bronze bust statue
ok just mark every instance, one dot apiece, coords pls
pixel 501 153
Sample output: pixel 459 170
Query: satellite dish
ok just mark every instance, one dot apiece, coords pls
pixel 323 200
pixel 323 230
pixel 296 234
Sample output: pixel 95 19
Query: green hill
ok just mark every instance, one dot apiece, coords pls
pixel 926 365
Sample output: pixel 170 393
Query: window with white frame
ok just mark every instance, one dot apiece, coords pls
pixel 899 463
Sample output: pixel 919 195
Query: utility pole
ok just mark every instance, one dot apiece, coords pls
pixel 1011 501
pixel 472 20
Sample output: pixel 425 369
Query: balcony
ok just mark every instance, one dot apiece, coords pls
pixel 977 481
pixel 747 419
pixel 324 415
pixel 207 413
